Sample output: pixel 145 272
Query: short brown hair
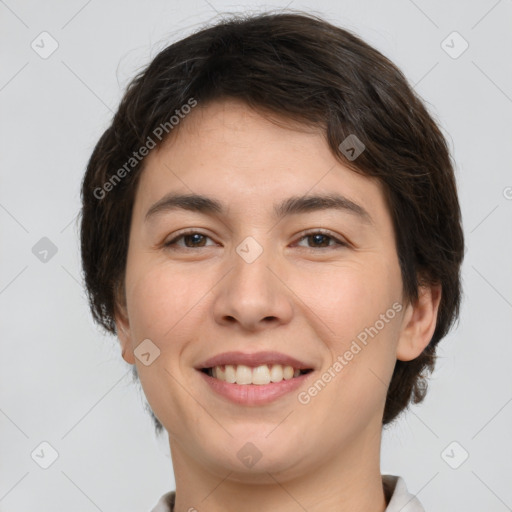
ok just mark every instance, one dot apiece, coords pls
pixel 302 68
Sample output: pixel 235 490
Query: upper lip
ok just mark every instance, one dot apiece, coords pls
pixel 253 360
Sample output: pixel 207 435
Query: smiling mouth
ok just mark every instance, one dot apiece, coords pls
pixel 259 375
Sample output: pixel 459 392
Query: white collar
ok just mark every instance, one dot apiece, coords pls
pixel 401 499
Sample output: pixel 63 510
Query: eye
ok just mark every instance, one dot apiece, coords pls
pixel 195 239
pixel 323 238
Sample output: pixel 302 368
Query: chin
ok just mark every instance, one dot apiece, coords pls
pixel 250 458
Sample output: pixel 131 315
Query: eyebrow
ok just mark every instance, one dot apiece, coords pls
pixel 290 206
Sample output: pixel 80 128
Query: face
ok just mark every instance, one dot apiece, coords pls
pixel 228 294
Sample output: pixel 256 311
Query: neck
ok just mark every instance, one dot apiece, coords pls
pixel 349 481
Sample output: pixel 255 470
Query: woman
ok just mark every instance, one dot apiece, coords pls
pixel 271 227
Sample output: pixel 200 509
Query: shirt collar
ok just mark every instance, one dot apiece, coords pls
pixel 400 499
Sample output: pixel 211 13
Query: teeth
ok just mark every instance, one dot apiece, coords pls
pixel 230 375
pixel 260 375
pixel 288 372
pixel 243 374
pixel 264 374
pixel 276 373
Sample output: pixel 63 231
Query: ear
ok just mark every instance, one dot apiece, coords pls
pixel 419 323
pixel 123 332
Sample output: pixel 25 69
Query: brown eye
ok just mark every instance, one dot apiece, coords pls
pixel 192 239
pixel 321 240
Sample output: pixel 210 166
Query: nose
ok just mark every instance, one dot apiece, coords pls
pixel 253 295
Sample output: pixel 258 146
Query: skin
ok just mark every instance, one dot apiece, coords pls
pixel 298 297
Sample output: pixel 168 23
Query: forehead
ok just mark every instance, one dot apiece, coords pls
pixel 243 158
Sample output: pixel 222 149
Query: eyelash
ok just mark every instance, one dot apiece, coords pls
pixel 339 242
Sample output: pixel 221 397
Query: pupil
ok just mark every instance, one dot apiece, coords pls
pixel 318 238
pixel 194 238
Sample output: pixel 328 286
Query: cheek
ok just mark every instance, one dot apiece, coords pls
pixel 162 299
pixel 349 297
pixel 357 304
pixel 164 306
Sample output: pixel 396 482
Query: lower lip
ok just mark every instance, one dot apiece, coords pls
pixel 253 394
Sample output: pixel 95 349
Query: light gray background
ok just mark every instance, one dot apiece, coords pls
pixel 64 383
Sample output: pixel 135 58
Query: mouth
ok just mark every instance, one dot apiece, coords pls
pixel 254 379
pixel 259 376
